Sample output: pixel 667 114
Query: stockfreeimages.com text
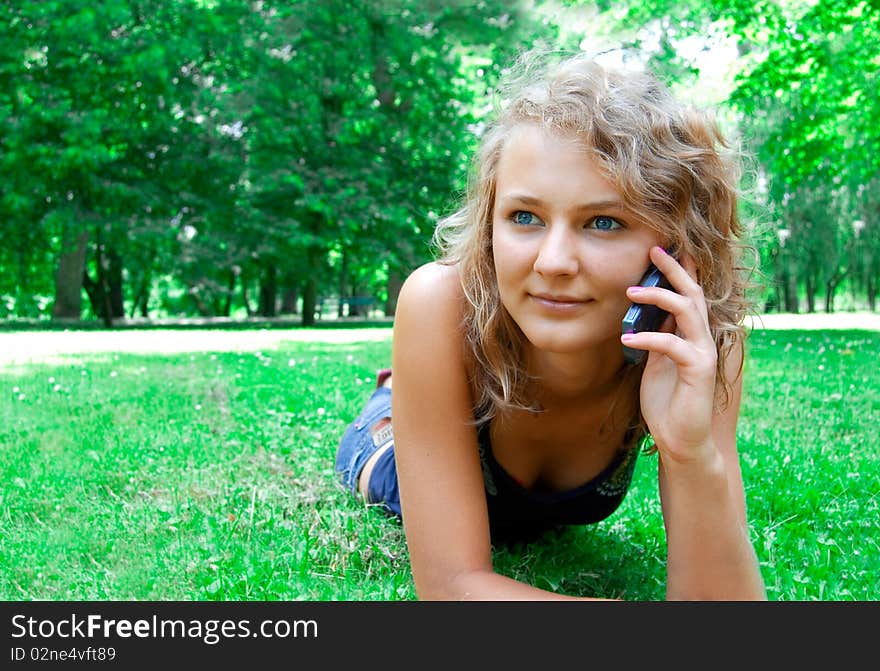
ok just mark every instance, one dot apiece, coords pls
pixel 208 631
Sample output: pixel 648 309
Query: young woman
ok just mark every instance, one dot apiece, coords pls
pixel 514 409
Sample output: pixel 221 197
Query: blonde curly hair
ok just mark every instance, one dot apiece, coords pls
pixel 673 169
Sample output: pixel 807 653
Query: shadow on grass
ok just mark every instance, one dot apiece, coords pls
pixel 589 561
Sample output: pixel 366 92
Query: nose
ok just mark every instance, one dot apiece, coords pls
pixel 557 254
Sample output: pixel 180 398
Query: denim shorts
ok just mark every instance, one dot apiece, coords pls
pixel 366 434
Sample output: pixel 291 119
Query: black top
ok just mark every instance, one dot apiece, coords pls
pixel 517 513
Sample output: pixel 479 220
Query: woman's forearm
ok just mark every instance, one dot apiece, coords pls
pixel 491 586
pixel 710 555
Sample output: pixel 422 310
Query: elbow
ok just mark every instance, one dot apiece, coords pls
pixel 467 585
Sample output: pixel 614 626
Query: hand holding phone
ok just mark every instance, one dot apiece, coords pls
pixel 641 317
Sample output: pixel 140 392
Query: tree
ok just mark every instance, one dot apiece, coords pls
pixel 278 148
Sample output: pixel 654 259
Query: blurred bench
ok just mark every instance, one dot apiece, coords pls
pixel 351 305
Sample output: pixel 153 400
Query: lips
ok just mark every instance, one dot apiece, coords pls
pixel 559 301
pixel 559 298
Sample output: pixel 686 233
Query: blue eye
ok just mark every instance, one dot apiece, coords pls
pixel 603 223
pixel 523 218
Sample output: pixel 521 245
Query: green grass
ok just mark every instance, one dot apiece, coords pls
pixel 209 476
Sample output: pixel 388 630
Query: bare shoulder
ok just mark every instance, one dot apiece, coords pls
pixel 434 282
pixel 427 322
pixel 429 310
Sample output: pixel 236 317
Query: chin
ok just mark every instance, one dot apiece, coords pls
pixel 560 339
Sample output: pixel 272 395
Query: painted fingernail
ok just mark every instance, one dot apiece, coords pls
pixel 627 337
pixel 635 290
pixel 662 250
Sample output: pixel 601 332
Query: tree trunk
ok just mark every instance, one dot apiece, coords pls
pixel 98 290
pixel 114 285
pixel 105 311
pixel 269 290
pixel 310 300
pixel 93 291
pixel 810 285
pixel 226 309
pixel 872 294
pixel 831 289
pixel 289 297
pixel 289 294
pixel 244 295
pixel 789 291
pixel 69 275
pixel 315 256
pixel 829 297
pixel 395 282
pixel 142 296
pixel 343 287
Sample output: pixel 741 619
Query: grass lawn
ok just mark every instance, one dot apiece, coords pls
pixel 209 476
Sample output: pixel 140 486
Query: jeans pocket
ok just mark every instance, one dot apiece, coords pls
pixel 357 444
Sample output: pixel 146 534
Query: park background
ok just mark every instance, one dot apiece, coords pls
pixel 208 208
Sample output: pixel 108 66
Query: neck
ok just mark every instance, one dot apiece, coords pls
pixel 566 378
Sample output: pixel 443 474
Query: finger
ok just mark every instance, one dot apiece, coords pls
pixel 682 274
pixel 689 313
pixel 682 352
pixel 682 278
pixel 687 262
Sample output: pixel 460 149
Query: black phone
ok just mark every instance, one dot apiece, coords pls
pixel 641 317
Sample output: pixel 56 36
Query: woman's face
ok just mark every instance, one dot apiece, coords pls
pixel 565 247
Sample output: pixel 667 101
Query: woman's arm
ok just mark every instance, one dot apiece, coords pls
pixel 710 555
pixel 442 494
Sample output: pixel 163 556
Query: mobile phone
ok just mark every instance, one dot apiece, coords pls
pixel 641 317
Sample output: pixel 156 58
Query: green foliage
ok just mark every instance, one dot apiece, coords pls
pixel 230 144
pixel 809 76
pixel 241 152
pixel 806 107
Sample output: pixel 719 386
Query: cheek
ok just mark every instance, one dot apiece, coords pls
pixel 610 275
pixel 506 256
pixel 505 280
pixel 513 249
pixel 619 269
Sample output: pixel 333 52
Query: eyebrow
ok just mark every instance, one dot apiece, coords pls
pixel 610 203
